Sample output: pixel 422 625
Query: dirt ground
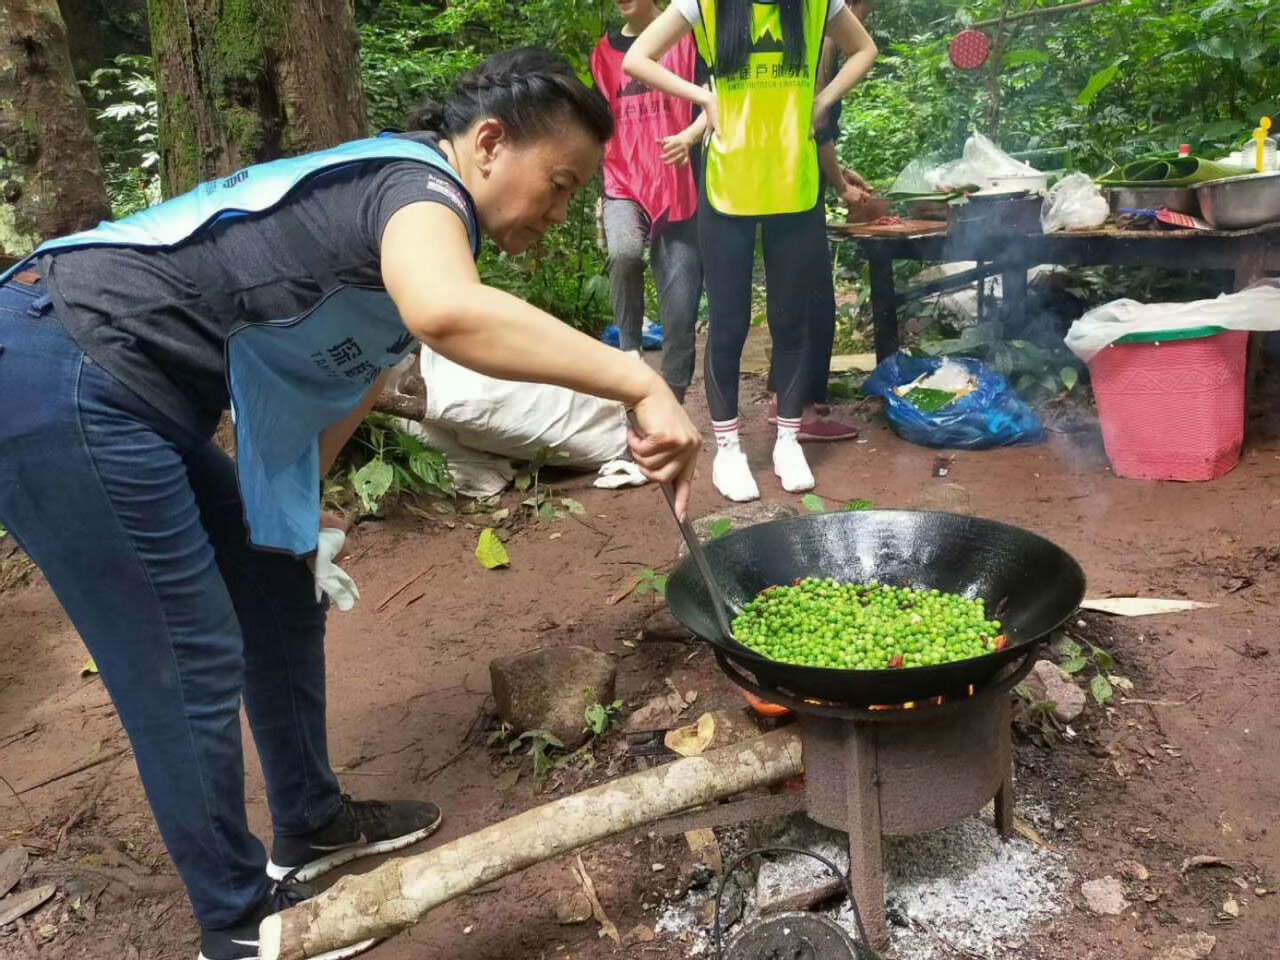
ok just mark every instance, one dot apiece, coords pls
pixel 1177 768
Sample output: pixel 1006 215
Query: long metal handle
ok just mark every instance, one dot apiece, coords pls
pixel 699 555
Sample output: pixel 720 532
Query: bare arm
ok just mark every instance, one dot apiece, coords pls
pixel 335 436
pixel 642 60
pixel 832 175
pixel 428 271
pixel 850 36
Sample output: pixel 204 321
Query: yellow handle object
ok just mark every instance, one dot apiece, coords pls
pixel 1260 135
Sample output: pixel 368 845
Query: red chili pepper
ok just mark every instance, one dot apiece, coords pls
pixel 1000 642
pixel 896 661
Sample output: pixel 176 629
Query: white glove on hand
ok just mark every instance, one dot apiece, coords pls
pixel 619 473
pixel 331 578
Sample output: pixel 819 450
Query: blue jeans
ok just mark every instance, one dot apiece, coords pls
pixel 139 529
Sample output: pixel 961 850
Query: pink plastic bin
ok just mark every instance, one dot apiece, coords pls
pixel 1172 406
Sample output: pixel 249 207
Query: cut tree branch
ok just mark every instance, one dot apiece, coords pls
pixel 401 892
pixel 1037 12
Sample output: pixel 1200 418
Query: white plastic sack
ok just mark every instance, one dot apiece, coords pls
pixel 1256 308
pixel 1074 203
pixel 981 161
pixel 517 420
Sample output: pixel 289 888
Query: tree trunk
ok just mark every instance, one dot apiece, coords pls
pixel 402 891
pixel 50 176
pixel 243 82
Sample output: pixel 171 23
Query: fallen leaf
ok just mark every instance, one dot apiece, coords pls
pixel 1202 860
pixel 1231 907
pixel 573 506
pixel 20 904
pixel 90 669
pixel 507 782
pixel 692 740
pixel 555 536
pixel 13 864
pixel 490 551
pixel 1141 606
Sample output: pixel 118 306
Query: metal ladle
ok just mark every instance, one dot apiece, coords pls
pixel 719 601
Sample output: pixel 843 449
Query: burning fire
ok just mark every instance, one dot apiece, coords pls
pixel 911 704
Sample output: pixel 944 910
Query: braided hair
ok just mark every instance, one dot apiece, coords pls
pixel 529 90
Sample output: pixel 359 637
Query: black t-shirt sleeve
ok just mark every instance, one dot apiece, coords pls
pixel 402 182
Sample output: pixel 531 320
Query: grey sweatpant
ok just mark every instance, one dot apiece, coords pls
pixel 677 270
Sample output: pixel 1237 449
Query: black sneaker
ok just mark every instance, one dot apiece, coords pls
pixel 241 941
pixel 359 829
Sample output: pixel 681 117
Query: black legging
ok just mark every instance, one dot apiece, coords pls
pixel 799 295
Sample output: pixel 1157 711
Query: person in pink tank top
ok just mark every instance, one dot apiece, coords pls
pixel 650 196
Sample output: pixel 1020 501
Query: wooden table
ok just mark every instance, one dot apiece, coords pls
pixel 1246 254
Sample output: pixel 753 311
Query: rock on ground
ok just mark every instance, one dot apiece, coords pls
pixel 550 689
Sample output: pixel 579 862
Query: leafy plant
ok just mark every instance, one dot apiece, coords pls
pixel 1037 719
pixel 1036 371
pixel 813 503
pixel 543 501
pixel 127 131
pixel 399 462
pixel 540 744
pixel 601 718
pixel 647 582
pixel 1081 657
pixel 855 505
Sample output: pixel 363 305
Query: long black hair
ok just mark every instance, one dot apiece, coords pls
pixel 733 34
pixel 530 90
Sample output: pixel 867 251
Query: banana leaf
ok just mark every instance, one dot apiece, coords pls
pixel 1168 172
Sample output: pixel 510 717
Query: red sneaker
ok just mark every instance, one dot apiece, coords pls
pixel 821 409
pixel 821 430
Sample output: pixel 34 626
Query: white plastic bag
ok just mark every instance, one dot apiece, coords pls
pixel 1256 308
pixel 1074 203
pixel 981 163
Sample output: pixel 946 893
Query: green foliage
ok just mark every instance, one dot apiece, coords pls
pixel 600 718
pixel 123 100
pixel 647 582
pixel 1081 657
pixel 1108 83
pixel 1038 371
pixel 394 462
pixel 411 52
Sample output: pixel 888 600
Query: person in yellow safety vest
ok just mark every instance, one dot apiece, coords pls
pixel 760 171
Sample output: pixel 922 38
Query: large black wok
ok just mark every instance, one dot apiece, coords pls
pixel 1033 584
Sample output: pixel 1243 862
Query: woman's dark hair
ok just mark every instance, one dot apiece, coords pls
pixel 531 91
pixel 733 34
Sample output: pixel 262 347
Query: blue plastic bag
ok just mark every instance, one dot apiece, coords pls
pixel 992 416
pixel 650 335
